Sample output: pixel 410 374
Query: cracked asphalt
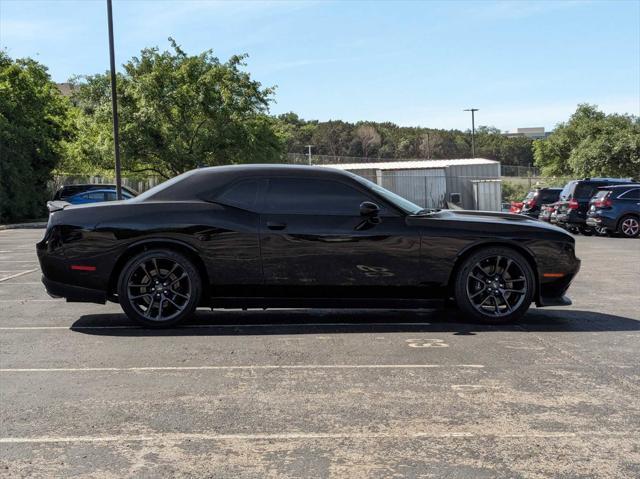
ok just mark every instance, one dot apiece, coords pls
pixel 322 393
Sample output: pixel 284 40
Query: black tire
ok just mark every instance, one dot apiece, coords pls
pixel 586 230
pixel 629 226
pixel 494 262
pixel 159 288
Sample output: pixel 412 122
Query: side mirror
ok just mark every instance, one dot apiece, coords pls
pixel 369 209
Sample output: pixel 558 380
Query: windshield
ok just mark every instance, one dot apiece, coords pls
pixel 565 194
pixel 396 200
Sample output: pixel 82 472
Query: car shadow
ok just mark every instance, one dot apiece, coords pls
pixel 319 321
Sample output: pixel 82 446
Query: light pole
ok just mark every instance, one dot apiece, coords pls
pixel 473 131
pixel 114 103
pixel 309 153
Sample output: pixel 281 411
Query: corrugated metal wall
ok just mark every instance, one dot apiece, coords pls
pixel 432 187
pixel 426 188
pixel 459 180
pixel 487 194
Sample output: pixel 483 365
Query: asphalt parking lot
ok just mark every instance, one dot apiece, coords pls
pixel 324 393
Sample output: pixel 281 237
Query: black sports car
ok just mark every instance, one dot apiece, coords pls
pixel 298 236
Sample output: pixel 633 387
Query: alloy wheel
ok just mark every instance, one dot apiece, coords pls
pixel 496 286
pixel 630 227
pixel 159 289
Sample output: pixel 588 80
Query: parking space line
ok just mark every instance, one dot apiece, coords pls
pixel 28 300
pixel 22 273
pixel 293 436
pixel 201 326
pixel 242 367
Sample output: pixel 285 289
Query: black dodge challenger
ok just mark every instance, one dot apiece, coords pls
pixel 258 236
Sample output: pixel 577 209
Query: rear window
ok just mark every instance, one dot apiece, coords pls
pixel 585 190
pixel 531 195
pixel 601 194
pixel 549 196
pixel 567 191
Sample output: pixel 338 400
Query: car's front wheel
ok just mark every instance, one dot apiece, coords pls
pixel 495 285
pixel 629 226
pixel 159 288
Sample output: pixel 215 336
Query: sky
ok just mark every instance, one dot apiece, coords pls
pixel 522 63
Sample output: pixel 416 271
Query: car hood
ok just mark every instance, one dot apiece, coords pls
pixel 488 217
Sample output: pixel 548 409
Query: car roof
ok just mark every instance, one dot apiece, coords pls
pixel 210 180
pixel 627 185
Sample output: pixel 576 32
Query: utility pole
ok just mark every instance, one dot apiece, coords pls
pixel 114 103
pixel 309 153
pixel 473 131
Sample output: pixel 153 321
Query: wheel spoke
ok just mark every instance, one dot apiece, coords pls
pixel 147 313
pixel 497 267
pixel 477 293
pixel 155 266
pixel 140 296
pixel 174 303
pixel 509 263
pixel 184 275
pixel 173 268
pixel 144 269
pixel 518 291
pixel 179 294
pixel 506 302
pixel 159 315
pixel 496 305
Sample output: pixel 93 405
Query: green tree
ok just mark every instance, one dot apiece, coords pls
pixel 591 143
pixel 33 128
pixel 177 112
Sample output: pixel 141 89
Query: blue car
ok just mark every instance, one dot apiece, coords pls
pixel 96 196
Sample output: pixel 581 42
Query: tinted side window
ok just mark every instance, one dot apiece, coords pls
pixel 585 191
pixel 95 196
pixel 633 194
pixel 242 194
pixel 308 196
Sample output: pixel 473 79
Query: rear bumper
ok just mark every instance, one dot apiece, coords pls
pixel 602 221
pixel 73 294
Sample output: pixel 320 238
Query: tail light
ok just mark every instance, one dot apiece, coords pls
pixel 573 204
pixel 531 203
pixel 605 203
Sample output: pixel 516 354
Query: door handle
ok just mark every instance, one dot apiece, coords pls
pixel 272 225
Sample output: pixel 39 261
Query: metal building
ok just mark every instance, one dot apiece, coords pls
pixel 472 183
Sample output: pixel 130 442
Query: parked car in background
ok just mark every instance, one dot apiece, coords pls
pixel 546 211
pixel 532 204
pixel 616 209
pixel 516 207
pixel 97 196
pixel 68 191
pixel 574 202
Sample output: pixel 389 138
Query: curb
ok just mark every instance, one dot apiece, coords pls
pixel 42 224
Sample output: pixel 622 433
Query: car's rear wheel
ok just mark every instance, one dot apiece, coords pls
pixel 159 288
pixel 495 285
pixel 629 226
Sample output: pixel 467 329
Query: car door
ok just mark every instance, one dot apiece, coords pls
pixel 315 242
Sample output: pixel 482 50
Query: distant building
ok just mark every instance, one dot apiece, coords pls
pixel 535 133
pixel 472 183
